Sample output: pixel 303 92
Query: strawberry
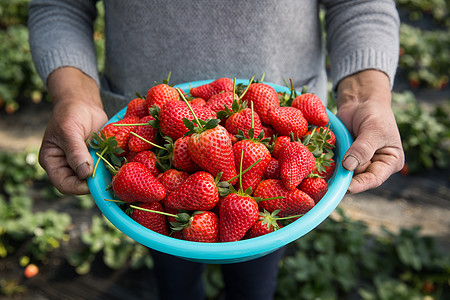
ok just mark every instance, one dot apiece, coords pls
pixel 251 150
pixel 152 221
pixel 198 192
pixel 237 215
pixel 133 182
pixel 198 101
pixel 171 117
pixel 315 186
pixel 273 169
pixel 324 168
pixel 120 133
pixel 279 144
pixel 212 150
pixel 136 107
pixel 203 226
pixel 319 139
pixel 206 91
pixel 312 108
pixel 296 161
pixel 219 101
pixel 286 120
pixel 181 158
pixel 267 222
pixel 171 179
pixel 241 120
pixel 161 94
pixel 141 134
pixel 294 201
pixel 269 133
pixel 264 97
pixel 148 159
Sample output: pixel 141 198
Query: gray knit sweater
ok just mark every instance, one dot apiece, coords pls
pixel 207 39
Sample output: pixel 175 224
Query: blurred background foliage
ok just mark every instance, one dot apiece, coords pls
pixel 338 260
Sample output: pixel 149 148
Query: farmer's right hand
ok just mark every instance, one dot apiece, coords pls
pixel 77 112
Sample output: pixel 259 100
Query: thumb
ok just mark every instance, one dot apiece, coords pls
pixel 78 156
pixel 360 152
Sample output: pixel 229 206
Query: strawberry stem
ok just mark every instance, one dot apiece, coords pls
pixel 245 171
pixel 114 200
pixel 289 217
pixel 190 108
pixel 271 198
pixel 135 124
pixel 105 160
pixel 246 89
pixel 147 141
pixel 240 170
pixel 98 161
pixel 153 211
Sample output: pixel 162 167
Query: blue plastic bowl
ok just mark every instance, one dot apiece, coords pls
pixel 230 252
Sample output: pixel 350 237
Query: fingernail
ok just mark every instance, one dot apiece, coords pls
pixel 83 170
pixel 351 162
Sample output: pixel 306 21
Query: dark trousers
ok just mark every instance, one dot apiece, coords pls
pixel 181 279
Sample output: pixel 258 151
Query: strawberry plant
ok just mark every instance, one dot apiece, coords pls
pixel 425 132
pixel 438 10
pixel 42 231
pixel 116 249
pixel 424 56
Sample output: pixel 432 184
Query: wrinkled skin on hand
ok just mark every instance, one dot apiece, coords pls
pixel 77 112
pixel 364 106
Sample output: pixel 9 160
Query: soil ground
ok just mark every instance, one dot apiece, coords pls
pixel 401 202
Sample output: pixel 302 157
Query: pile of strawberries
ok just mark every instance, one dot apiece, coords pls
pixel 220 163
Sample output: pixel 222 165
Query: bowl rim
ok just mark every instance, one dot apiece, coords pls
pixel 229 251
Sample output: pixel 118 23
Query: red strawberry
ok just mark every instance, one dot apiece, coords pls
pixel 133 182
pixel 252 150
pixel 212 150
pixel 286 120
pixel 316 187
pixel 147 132
pixel 130 155
pixel 160 95
pixel 264 97
pixel 148 159
pixel 153 221
pixel 324 168
pixel 319 138
pixel 295 202
pixel 181 158
pixel 273 169
pixel 267 222
pixel 207 90
pixel 203 227
pixel 296 161
pixel 237 215
pixel 198 101
pixel 171 179
pixel 268 132
pixel 312 108
pixel 279 144
pixel 197 192
pixel 120 133
pixel 242 121
pixel 137 107
pixel 171 117
pixel 218 102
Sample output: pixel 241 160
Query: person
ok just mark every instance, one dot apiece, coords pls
pixel 208 39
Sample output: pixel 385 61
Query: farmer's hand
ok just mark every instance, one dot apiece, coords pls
pixel 364 106
pixel 77 112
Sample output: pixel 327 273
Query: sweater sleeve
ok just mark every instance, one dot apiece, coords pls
pixel 361 35
pixel 61 34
